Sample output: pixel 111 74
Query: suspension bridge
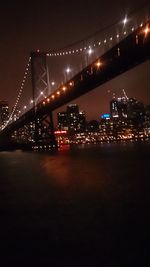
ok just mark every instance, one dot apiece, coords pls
pixel 100 59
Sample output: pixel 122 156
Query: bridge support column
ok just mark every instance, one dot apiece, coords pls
pixel 43 124
pixel 40 76
pixel 44 132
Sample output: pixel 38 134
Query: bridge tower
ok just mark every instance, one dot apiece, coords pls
pixel 39 74
pixel 43 124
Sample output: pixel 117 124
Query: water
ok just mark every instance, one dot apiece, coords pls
pixel 88 206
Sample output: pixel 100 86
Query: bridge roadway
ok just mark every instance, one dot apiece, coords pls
pixel 131 51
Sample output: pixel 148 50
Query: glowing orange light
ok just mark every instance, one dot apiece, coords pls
pixel 64 88
pixel 98 64
pixel 44 103
pixel 146 30
pixel 48 99
pixel 58 93
pixel 53 96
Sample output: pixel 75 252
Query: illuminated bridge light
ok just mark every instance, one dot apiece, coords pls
pixel 71 83
pixel 98 64
pixel 48 100
pixel 53 96
pixel 58 93
pixel 125 21
pixel 90 51
pixel 44 103
pixel 64 88
pixel 137 39
pixel 68 70
pixel 53 83
pixel 118 51
pixel 146 30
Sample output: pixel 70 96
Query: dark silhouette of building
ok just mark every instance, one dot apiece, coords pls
pixel 93 126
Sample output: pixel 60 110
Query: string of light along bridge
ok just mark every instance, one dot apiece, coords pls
pixel 89 49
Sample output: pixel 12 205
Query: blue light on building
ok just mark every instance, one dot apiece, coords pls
pixel 105 116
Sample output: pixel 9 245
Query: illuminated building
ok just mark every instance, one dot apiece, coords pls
pixel 118 107
pixel 72 119
pixel 105 116
pixel 81 121
pixel 106 125
pixel 114 108
pixel 76 119
pixel 135 109
pixel 147 121
pixel 4 112
pixel 122 107
pixel 62 121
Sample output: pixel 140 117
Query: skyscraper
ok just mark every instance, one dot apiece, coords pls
pixel 73 117
pixel 62 121
pixel 114 108
pixel 118 107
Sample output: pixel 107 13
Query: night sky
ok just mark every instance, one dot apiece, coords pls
pixel 51 25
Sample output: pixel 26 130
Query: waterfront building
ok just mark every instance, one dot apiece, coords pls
pixel 72 119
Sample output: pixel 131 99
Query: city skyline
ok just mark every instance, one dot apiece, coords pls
pixel 111 95
pixel 114 98
pixel 135 81
pixel 97 104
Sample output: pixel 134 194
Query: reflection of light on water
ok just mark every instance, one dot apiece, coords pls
pixel 76 172
pixel 64 147
pixel 58 170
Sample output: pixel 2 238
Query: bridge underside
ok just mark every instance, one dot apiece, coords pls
pixel 131 51
pixel 36 133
